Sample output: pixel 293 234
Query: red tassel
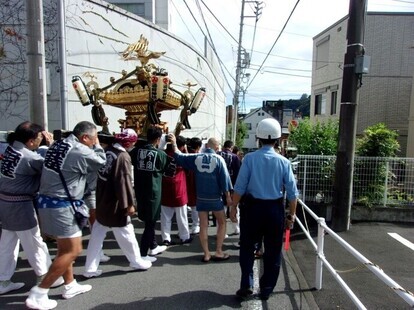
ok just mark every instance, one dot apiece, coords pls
pixel 287 239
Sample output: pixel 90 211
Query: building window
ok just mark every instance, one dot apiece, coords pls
pixel 334 97
pixel 322 53
pixel 320 104
pixel 249 126
pixel 135 8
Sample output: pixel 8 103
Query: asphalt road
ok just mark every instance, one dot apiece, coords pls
pixel 373 241
pixel 179 280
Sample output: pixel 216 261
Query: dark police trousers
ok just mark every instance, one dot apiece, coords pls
pixel 261 220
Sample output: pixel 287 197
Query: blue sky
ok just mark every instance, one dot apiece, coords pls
pixel 286 71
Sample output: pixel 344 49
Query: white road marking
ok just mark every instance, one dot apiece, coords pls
pixel 404 241
pixel 256 303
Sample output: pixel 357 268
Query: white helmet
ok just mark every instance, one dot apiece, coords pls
pixel 268 128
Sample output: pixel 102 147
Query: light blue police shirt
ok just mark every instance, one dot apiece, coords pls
pixel 264 173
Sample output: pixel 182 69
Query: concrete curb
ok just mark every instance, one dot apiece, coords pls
pixel 302 281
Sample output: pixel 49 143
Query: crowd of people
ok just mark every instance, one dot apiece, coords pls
pixel 156 178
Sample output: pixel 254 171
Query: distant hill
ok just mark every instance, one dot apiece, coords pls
pixel 301 105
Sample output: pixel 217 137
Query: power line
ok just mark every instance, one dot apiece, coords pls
pixel 286 32
pixel 274 43
pixel 215 52
pixel 185 24
pixel 286 74
pixel 225 29
pixel 257 10
pixel 301 59
pixel 205 25
pixel 213 46
pixel 281 68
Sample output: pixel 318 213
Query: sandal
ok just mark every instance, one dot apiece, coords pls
pixel 220 258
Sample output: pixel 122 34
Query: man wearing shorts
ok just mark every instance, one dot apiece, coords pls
pixel 212 181
pixel 76 156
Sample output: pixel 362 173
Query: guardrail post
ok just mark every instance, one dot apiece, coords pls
pixel 387 170
pixel 304 181
pixel 319 253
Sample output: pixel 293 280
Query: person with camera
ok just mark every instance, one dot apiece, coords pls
pixel 21 168
pixel 193 147
pixel 262 178
pixel 233 166
pixel 105 140
pixel 174 198
pixel 66 165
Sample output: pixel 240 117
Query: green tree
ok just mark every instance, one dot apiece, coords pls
pixel 319 138
pixel 378 141
pixel 240 134
pixel 370 181
pixel 316 138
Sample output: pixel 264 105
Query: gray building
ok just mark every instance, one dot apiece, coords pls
pixel 387 91
pixel 155 11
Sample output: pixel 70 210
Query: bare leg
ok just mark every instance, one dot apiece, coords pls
pixel 221 231
pixel 203 215
pixel 68 250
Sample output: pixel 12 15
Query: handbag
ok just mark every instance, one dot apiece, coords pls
pixel 81 211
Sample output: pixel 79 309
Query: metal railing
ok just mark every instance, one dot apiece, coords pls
pixel 376 180
pixel 322 261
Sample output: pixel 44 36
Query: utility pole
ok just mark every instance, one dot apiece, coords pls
pixel 237 87
pixel 62 65
pixel 36 62
pixel 341 212
pixel 243 62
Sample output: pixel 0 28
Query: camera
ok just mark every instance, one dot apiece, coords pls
pixel 105 137
pixel 61 134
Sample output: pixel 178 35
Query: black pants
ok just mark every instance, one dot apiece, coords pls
pixel 148 238
pixel 261 220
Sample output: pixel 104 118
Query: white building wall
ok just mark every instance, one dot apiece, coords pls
pixel 327 77
pixel 253 118
pixel 96 33
pixel 97 53
pixel 385 95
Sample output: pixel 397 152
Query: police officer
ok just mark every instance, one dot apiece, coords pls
pixel 261 181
